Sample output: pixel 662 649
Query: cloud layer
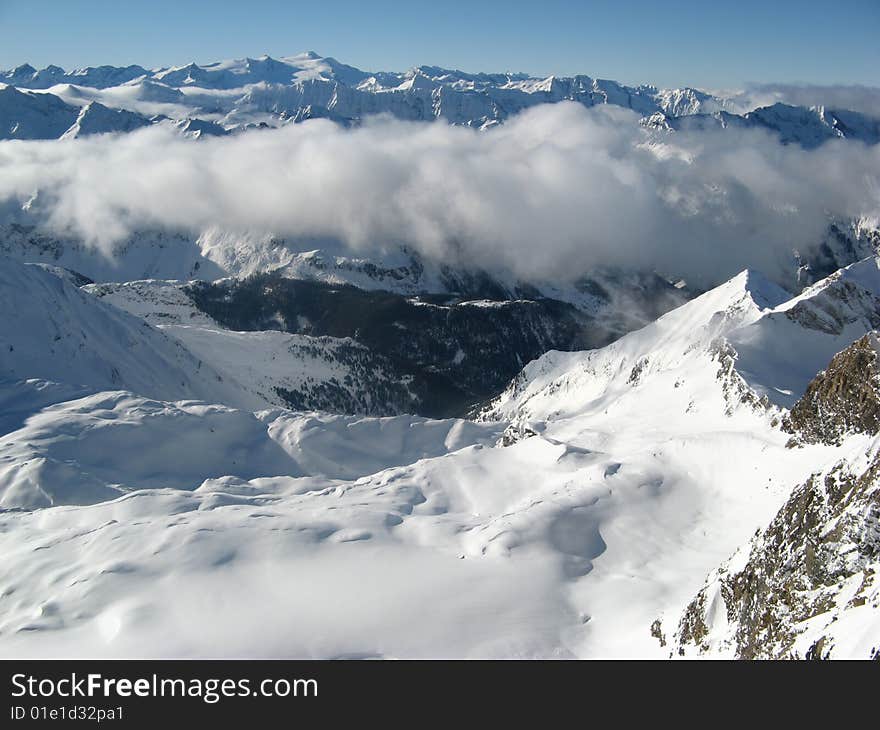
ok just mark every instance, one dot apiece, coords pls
pixel 556 191
pixel 863 99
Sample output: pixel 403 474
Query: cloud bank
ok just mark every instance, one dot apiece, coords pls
pixel 556 191
pixel 858 98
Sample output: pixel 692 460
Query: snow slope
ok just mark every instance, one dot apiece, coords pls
pixel 600 490
pixel 92 449
pixel 667 385
pixel 55 331
pixel 33 116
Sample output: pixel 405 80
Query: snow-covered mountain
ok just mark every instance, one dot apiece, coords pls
pixel 765 345
pixel 26 76
pixel 806 126
pixel 383 335
pixel 742 352
pixel 437 343
pixel 33 116
pixel 95 118
pixel 263 432
pixel 579 517
pixel 272 367
pixel 253 92
pixel 54 331
pixel 26 115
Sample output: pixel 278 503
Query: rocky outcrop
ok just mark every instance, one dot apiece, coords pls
pixel 813 570
pixel 805 585
pixel 842 400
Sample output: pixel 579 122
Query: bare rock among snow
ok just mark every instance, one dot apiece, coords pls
pixel 842 400
pixel 806 586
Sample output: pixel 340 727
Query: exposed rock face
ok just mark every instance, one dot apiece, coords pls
pixel 842 400
pixel 813 570
pixel 734 387
pixel 843 244
pixel 807 583
pixel 842 303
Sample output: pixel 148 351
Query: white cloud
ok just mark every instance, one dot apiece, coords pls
pixel 557 190
pixel 863 99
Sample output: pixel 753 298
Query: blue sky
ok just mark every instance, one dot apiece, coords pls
pixel 667 42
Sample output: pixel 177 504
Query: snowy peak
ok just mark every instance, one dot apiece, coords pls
pixel 100 77
pixel 745 343
pixel 864 274
pixel 810 127
pixel 807 127
pixel 687 344
pixel 95 118
pixel 255 92
pixel 239 73
pixel 18 75
pixel 25 115
pixel 144 89
pixel 198 128
pixel 748 291
pixel 846 298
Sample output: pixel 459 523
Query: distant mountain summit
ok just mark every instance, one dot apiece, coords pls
pixel 240 94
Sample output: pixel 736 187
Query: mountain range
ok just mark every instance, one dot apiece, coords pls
pixel 151 490
pixel 219 442
pixel 236 95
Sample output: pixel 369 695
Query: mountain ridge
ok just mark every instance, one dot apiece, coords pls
pixel 600 489
pixel 245 93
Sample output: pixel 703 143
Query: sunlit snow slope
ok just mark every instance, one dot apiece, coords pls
pixel 593 497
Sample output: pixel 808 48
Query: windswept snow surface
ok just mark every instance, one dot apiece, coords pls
pixel 145 527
